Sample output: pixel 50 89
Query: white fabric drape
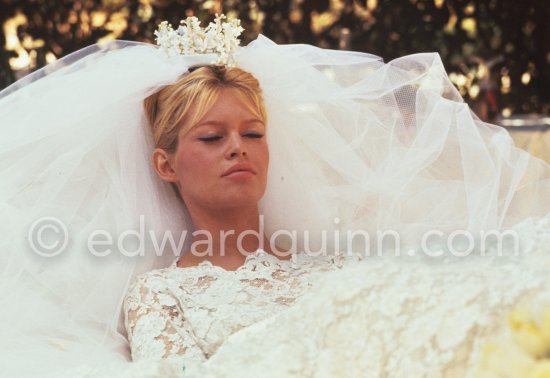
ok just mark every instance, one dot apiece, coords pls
pixel 355 144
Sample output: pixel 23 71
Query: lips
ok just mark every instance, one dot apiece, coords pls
pixel 240 167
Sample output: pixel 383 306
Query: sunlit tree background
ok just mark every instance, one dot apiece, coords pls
pixel 497 52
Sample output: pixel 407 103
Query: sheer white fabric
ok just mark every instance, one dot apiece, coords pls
pixel 355 144
pixel 192 311
pixel 377 319
pixel 384 318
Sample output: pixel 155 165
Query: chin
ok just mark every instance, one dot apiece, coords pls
pixel 240 200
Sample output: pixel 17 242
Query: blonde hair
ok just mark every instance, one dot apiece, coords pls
pixel 180 106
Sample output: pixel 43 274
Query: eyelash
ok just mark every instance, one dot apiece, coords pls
pixel 210 138
pixel 254 135
pixel 215 138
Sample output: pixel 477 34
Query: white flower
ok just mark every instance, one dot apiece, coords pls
pixel 220 37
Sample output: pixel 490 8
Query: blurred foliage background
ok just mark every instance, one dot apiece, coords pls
pixel 497 52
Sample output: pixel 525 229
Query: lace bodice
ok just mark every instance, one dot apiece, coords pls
pixel 192 311
pixel 381 318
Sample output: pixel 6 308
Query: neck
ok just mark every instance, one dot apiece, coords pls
pixel 230 234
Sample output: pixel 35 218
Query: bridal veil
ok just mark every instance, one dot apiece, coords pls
pixel 356 144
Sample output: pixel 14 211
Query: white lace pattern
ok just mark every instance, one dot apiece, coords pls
pixel 192 311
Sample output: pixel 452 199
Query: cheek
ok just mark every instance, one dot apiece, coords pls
pixel 193 164
pixel 266 157
pixel 263 155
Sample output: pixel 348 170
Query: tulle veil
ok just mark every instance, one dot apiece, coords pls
pixel 355 144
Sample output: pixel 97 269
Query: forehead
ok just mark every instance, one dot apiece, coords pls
pixel 230 104
pixel 223 105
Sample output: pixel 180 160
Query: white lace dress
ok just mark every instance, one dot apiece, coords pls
pixel 379 318
pixel 191 311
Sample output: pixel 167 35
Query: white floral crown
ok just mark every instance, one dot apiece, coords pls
pixel 220 37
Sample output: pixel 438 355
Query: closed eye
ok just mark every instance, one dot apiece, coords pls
pixel 254 135
pixel 210 138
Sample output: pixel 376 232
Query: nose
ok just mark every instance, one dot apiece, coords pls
pixel 236 147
